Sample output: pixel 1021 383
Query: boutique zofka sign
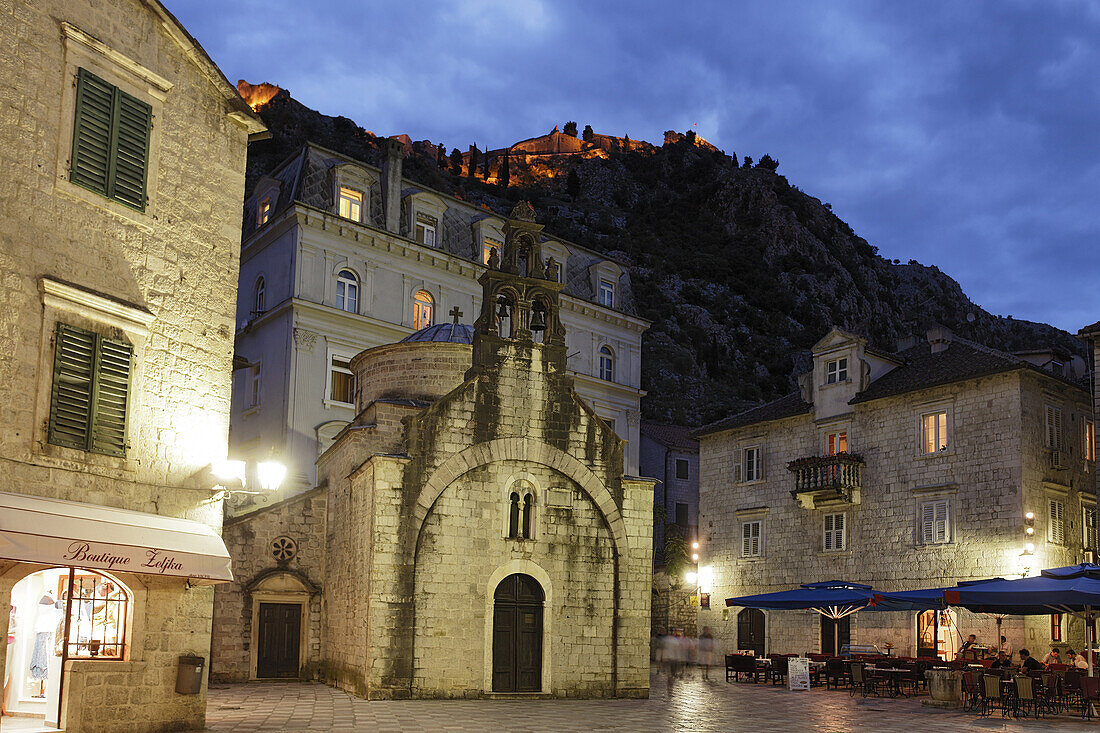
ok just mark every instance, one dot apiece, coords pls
pixel 153 561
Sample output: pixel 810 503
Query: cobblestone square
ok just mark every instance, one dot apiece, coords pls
pixel 691 705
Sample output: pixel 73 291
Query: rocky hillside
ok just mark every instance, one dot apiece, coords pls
pixel 739 270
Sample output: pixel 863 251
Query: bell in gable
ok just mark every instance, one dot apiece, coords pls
pixel 538 319
pixel 502 308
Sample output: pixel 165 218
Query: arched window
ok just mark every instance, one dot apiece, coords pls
pixel 513 516
pixel 607 364
pixel 347 291
pixel 260 304
pixel 423 309
pixel 528 510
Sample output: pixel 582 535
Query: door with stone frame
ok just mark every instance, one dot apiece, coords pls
pixel 517 635
pixel 279 640
pixel 835 635
pixel 750 630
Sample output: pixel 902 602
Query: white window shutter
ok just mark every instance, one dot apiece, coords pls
pixel 927 512
pixel 828 541
pixel 746 539
pixel 737 466
pixel 760 463
pixel 840 531
pixel 756 539
pixel 940 533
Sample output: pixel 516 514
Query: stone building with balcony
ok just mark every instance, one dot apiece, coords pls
pixel 123 150
pixel 900 470
pixel 339 256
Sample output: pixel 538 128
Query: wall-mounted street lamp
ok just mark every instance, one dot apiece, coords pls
pixel 228 478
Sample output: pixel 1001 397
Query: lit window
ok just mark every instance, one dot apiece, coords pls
pixel 836 371
pixel 98 616
pixel 935 522
pixel 1057 531
pixel 681 468
pixel 751 544
pixel 260 304
pixel 351 203
pixel 934 432
pixel 1088 527
pixel 1054 427
pixel 834 535
pixel 1089 440
pixel 425 230
pixel 264 212
pixel 749 468
pixel 1055 627
pixel 607 293
pixel 347 291
pixel 423 308
pixel 341 380
pixel 487 250
pixel 254 385
pixel 836 443
pixel 607 364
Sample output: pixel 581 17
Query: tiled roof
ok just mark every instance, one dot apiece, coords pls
pixel 922 369
pixel 455 333
pixel 673 436
pixel 788 406
pixel 1088 331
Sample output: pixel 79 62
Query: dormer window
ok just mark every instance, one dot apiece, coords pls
pixel 351 203
pixel 426 229
pixel 607 293
pixel 263 212
pixel 487 250
pixel 836 371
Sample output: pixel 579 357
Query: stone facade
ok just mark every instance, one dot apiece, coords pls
pixel 163 279
pixel 996 463
pixel 305 321
pixel 419 530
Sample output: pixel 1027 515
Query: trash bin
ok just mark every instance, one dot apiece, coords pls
pixel 189 675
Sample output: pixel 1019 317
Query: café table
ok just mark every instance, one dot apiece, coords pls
pixel 893 676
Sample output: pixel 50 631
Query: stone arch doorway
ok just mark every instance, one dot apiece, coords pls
pixel 750 630
pixel 517 634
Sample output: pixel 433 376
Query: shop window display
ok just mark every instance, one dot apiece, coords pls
pixel 98 609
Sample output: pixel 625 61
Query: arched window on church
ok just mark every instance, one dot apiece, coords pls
pixel 528 511
pixel 607 364
pixel 513 516
pixel 347 291
pixel 423 308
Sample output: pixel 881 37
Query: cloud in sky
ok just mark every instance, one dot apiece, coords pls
pixel 958 134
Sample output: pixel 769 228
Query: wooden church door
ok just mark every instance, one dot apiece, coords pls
pixel 517 635
pixel 279 635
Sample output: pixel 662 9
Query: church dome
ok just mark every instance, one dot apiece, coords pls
pixel 454 333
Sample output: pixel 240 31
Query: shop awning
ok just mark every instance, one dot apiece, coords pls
pixel 55 532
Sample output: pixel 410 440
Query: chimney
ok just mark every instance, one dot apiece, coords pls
pixel 939 339
pixel 393 153
pixel 906 342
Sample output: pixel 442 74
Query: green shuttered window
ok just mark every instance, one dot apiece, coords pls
pixel 110 141
pixel 91 388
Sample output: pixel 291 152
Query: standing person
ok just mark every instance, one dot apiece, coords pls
pixel 679 653
pixel 666 651
pixel 706 651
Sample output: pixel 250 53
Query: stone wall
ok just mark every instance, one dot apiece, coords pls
pixel 177 260
pixel 985 474
pixel 415 370
pixel 250 539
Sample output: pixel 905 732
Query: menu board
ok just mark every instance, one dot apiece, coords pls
pixel 798 673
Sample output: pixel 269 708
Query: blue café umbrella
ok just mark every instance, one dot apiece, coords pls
pixel 833 599
pixel 1073 590
pixel 925 599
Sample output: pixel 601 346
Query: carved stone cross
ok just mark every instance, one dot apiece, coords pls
pixel 455 313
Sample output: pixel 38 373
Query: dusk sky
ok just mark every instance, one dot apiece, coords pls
pixel 961 134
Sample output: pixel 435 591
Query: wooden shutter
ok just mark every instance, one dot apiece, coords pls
pixel 110 141
pixel 940 521
pixel 756 539
pixel 737 466
pixel 750 539
pixel 111 397
pixel 131 150
pixel 1057 522
pixel 73 382
pixel 1054 428
pixel 934 522
pixel 91 158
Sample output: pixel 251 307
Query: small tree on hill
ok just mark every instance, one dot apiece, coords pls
pixel 588 134
pixel 748 162
pixel 573 183
pixel 441 156
pixel 768 162
pixel 456 162
pixel 570 128
pixel 471 168
pixel 690 136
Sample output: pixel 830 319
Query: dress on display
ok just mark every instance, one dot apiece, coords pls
pixel 44 625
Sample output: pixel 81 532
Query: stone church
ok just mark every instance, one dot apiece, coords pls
pixel 472 532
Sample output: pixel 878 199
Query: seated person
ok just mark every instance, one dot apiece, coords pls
pixel 1002 661
pixel 1029 663
pixel 1075 661
pixel 970 641
pixel 1053 658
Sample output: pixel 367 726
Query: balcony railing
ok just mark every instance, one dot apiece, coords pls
pixel 839 476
